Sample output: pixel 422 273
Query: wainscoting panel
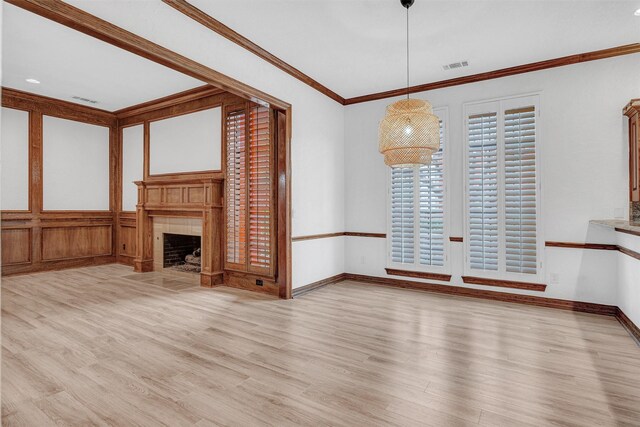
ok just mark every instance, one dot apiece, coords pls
pixel 16 246
pixel 127 241
pixel 62 243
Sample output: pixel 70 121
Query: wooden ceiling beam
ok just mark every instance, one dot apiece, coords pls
pixel 216 26
pixel 167 101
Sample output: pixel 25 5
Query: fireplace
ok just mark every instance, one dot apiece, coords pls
pixel 176 244
pixel 181 252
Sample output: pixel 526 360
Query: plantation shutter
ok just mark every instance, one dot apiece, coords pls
pixel 236 187
pixel 402 215
pixel 260 198
pixel 483 191
pixel 431 199
pixel 520 190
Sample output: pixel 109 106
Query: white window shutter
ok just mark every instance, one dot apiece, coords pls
pixel 502 189
pixel 402 215
pixel 483 191
pixel 520 190
pixel 431 201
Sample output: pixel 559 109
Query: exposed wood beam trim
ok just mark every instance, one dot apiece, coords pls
pixel 504 283
pixel 622 230
pixel 72 17
pixel 337 234
pixel 599 246
pixel 359 234
pixel 13 98
pixel 456 239
pixel 168 101
pixel 186 105
pixel 316 236
pixel 218 27
pixel 504 72
pixel 419 274
pixel 628 324
pixel 586 307
pixel 629 252
pixel 317 285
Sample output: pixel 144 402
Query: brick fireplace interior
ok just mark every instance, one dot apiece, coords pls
pixel 181 252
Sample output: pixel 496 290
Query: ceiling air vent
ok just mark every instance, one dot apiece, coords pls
pixel 455 65
pixel 79 98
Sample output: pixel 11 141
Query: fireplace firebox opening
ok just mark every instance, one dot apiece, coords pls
pixel 182 252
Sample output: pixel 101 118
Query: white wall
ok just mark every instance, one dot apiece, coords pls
pixel 14 152
pixel 187 143
pixel 132 165
pixel 584 170
pixel 75 165
pixel 629 277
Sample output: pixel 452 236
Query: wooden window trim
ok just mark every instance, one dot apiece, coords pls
pixel 504 283
pixel 419 274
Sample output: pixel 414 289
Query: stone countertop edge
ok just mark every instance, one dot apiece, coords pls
pixel 619 224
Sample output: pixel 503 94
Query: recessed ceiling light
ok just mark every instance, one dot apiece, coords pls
pixel 34 81
pixel 637 12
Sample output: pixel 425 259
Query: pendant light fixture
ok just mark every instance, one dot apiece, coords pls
pixel 410 132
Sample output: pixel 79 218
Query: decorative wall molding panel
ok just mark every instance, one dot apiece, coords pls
pixel 39 240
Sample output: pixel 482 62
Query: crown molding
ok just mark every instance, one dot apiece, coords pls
pixel 70 16
pixel 21 100
pixel 167 101
pixel 504 72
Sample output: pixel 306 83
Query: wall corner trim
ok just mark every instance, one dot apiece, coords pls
pixel 628 324
pixel 301 290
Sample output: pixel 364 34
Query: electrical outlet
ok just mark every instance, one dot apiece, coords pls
pixel 363 260
pixel 124 246
pixel 259 282
pixel 554 278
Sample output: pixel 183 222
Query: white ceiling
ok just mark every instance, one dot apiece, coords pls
pixel 68 63
pixel 353 47
pixel 356 47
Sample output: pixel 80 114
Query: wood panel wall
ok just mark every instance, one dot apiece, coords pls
pixel 37 240
pixel 186 102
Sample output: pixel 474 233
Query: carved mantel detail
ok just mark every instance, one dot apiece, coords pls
pixel 183 197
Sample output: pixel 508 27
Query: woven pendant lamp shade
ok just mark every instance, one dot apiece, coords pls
pixel 409 133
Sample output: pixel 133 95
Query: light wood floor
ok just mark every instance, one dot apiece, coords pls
pixel 104 346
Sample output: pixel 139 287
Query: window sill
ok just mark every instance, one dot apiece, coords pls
pixel 504 283
pixel 419 274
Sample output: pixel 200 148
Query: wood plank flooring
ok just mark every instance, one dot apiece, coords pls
pixel 105 346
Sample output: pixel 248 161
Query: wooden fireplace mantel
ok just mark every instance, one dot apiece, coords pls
pixel 191 197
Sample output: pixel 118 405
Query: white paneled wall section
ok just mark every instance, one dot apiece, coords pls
pixel 186 143
pixel 132 165
pixel 75 165
pixel 14 159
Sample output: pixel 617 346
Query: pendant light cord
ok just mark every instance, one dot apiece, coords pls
pixel 407 53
